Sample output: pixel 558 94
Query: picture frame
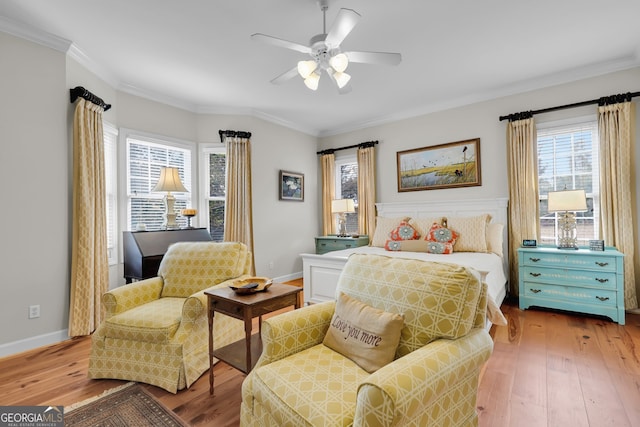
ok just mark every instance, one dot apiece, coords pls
pixel 450 165
pixel 291 185
pixel 596 245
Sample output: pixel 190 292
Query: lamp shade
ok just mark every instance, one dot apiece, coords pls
pixel 169 181
pixel 567 200
pixel 342 206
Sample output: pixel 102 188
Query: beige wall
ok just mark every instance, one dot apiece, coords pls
pixel 34 253
pixel 481 120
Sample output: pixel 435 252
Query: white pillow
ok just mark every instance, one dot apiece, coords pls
pixel 494 238
pixel 472 232
pixel 384 227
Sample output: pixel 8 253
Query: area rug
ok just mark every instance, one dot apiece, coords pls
pixel 125 406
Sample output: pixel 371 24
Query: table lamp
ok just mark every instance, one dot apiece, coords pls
pixel 169 181
pixel 342 207
pixel 567 202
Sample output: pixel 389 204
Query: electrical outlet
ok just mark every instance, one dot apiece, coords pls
pixel 34 311
pixel 270 265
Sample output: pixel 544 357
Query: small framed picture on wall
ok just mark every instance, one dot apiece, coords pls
pixel 291 186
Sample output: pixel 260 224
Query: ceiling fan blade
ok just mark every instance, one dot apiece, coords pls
pixel 280 42
pixel 342 26
pixel 286 76
pixel 384 58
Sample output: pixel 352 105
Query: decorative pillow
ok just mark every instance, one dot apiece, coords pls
pixel 404 231
pixel 407 245
pixel 494 238
pixel 366 335
pixel 384 227
pixel 423 225
pixel 441 234
pixel 442 248
pixel 472 232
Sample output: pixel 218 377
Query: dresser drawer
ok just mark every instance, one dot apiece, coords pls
pixel 586 262
pixel 326 244
pixel 538 291
pixel 569 276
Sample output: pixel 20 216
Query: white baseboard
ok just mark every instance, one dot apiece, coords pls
pixel 31 343
pixel 287 277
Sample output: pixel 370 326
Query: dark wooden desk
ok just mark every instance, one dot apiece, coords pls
pixel 246 307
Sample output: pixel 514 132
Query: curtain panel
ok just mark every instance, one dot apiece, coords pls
pixel 89 259
pixel 615 128
pixel 367 190
pixel 524 211
pixel 238 211
pixel 328 168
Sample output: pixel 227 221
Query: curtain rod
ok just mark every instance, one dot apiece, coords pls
pixel 233 133
pixel 80 92
pixel 361 145
pixel 605 100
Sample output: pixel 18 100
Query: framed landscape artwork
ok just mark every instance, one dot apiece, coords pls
pixel 291 186
pixel 455 164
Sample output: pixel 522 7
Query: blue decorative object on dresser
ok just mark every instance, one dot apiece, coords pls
pixel 584 281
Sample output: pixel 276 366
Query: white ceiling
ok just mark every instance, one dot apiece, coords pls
pixel 197 54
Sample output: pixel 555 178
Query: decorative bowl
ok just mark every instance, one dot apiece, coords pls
pixel 251 285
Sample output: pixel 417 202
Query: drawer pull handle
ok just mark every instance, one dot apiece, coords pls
pixel 602 264
pixel 535 274
pixel 602 298
pixel 602 280
pixel 535 259
pixel 535 291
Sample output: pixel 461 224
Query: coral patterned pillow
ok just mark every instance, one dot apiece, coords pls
pixel 441 234
pixel 404 232
pixel 439 248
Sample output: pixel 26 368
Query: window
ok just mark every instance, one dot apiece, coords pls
pixel 214 185
pixel 144 158
pixel 568 158
pixel 347 187
pixel 110 135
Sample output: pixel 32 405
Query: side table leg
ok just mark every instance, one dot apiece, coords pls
pixel 210 319
pixel 247 331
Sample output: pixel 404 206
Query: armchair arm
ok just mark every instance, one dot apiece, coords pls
pixel 126 297
pixel 294 331
pixel 426 373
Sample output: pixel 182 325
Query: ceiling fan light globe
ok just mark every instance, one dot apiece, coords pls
pixel 339 62
pixel 312 81
pixel 341 79
pixel 305 68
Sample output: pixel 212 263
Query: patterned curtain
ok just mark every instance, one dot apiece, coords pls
pixel 367 189
pixel 522 169
pixel 238 212
pixel 615 127
pixel 328 167
pixel 89 260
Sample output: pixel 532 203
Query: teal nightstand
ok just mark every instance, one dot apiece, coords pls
pixel 330 243
pixel 577 280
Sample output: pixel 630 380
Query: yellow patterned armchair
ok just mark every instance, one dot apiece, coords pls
pixel 156 330
pixel 432 380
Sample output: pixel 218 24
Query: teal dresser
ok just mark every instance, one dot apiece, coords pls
pixel 330 243
pixel 576 280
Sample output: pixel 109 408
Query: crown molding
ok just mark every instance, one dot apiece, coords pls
pixel 96 68
pixel 27 32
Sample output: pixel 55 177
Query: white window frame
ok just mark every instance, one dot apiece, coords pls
pixel 205 197
pixel 595 170
pixel 110 134
pixel 340 161
pixel 125 135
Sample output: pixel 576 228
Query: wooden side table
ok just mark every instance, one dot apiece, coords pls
pixel 245 307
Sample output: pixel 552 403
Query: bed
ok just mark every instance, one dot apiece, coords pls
pixel 321 272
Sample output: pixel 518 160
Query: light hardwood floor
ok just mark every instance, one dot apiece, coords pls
pixel 547 369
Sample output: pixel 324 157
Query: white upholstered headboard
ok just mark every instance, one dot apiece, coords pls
pixel 497 208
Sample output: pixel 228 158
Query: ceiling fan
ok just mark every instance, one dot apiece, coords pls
pixel 325 52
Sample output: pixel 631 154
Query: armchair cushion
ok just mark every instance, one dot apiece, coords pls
pixel 156 321
pixel 366 335
pixel 316 386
